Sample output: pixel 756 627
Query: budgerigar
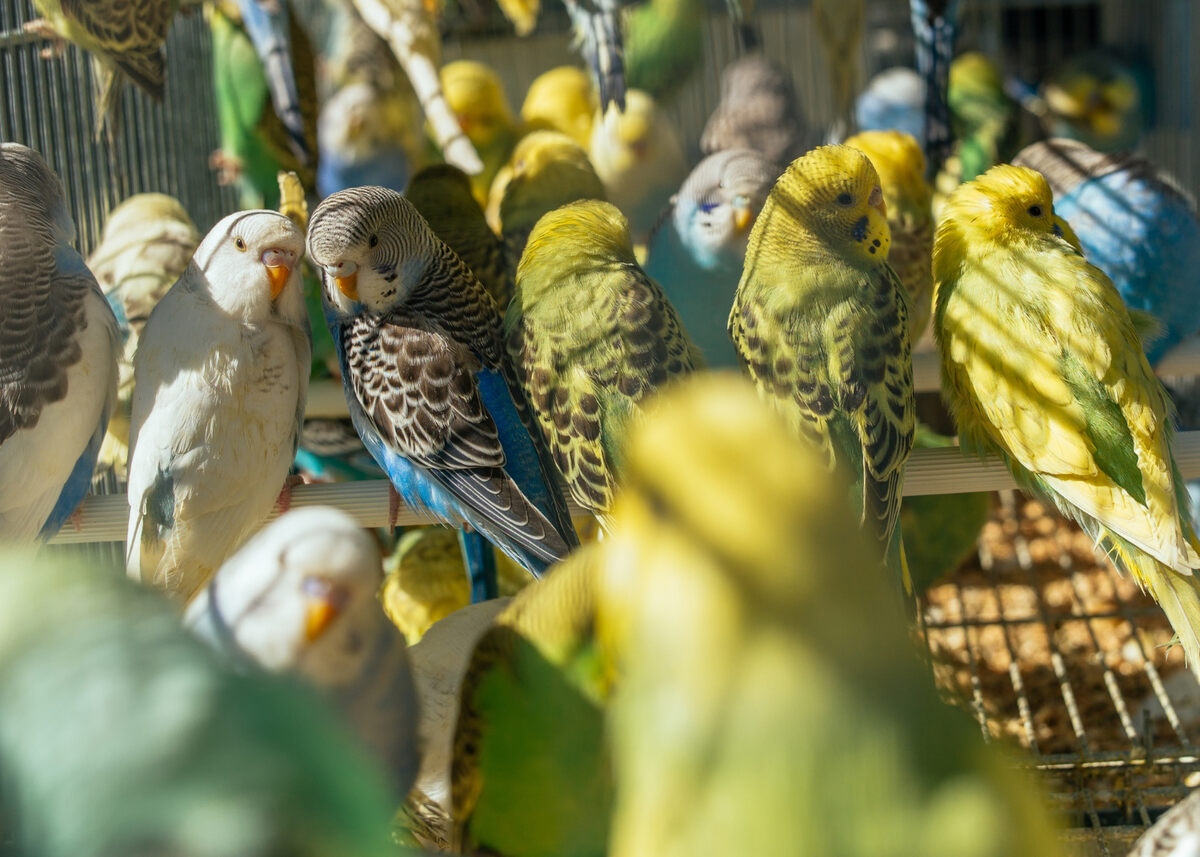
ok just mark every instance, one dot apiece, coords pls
pixel 898 160
pixel 768 699
pixel 255 143
pixel 531 775
pixel 124 37
pixel 839 24
pixel 758 110
pixel 591 336
pixel 361 132
pixel 120 734
pixel 1042 363
pixel 300 597
pixel 411 31
pixel 821 322
pixel 561 99
pixel 1135 223
pixel 892 100
pixel 696 253
pixel 428 383
pixel 664 45
pixel 476 95
pixel 147 243
pixel 1176 833
pixel 442 194
pixel 935 28
pixel 548 170
pixel 982 115
pixel 268 24
pixel 222 375
pixel 1096 97
pixel 638 156
pixel 58 353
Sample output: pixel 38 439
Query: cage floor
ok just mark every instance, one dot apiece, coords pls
pixel 1048 646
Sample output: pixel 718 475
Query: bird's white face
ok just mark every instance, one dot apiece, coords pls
pixel 713 219
pixel 372 247
pixel 251 261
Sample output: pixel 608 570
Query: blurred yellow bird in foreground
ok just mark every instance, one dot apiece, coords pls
pixel 561 99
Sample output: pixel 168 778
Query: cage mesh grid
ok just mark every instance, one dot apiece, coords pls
pixel 1079 680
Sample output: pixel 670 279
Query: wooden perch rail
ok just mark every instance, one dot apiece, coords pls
pixel 929 471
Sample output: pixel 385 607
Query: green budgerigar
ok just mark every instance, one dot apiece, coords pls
pixel 590 336
pixel 120 734
pixel 820 320
pixel 768 703
pixel 531 775
pixel 442 194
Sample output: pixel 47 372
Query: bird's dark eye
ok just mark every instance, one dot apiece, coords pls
pixel 844 199
pixel 1035 211
pixel 240 244
pixel 373 240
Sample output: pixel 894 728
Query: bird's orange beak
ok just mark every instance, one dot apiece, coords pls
pixel 348 285
pixel 325 602
pixel 279 268
pixel 742 218
pixel 875 200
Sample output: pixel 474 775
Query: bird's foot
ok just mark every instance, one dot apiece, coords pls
pixel 227 167
pixel 393 506
pixel 41 27
pixel 284 501
pixel 75 519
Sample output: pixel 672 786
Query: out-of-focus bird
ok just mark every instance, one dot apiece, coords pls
pixel 840 26
pixel 531 775
pixel 300 598
pixel 119 734
pixel 590 336
pixel 758 110
pixel 697 251
pixel 255 143
pixel 821 322
pixel 58 353
pixel 983 116
pixel 752 651
pixel 893 100
pixel 561 99
pixel 125 40
pixel 1097 98
pixel 147 243
pixel 1175 834
pixel 476 95
pixel 268 24
pixel 908 197
pixel 1042 363
pixel 439 662
pixel 442 195
pixel 548 170
pixel 638 156
pixel 428 383
pixel 1135 223
pixel 664 45
pixel 361 133
pixel 935 28
pixel 411 31
pixel 222 375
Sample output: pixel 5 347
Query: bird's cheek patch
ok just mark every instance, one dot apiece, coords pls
pixel 859 232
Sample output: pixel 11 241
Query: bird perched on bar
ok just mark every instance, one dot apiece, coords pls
pixel 429 386
pixel 222 375
pixel 820 320
pixel 591 336
pixel 442 194
pixel 697 251
pixel 758 110
pixel 546 170
pixel 898 160
pixel 561 99
pixel 120 734
pixel 147 243
pixel 638 156
pixel 300 598
pixel 476 95
pixel 125 39
pixel 751 653
pixel 1042 364
pixel 58 353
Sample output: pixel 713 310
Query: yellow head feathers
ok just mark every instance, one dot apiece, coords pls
pixel 475 94
pixel 832 195
pixel 546 169
pixel 561 99
pixel 900 163
pixel 588 227
pixel 1005 204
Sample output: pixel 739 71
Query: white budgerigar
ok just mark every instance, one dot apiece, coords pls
pixel 222 375
pixel 301 597
pixel 58 353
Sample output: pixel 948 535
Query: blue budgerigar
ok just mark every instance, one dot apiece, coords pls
pixel 429 386
pixel 696 253
pixel 1135 223
pixel 58 353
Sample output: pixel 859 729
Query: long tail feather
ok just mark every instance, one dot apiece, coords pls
pixel 268 31
pixel 935 25
pixel 599 34
pixel 480 560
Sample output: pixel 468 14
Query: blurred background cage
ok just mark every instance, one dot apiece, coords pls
pixel 1040 640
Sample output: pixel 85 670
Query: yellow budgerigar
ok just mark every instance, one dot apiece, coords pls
pixel 898 159
pixel 561 99
pixel 476 95
pixel 1042 363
